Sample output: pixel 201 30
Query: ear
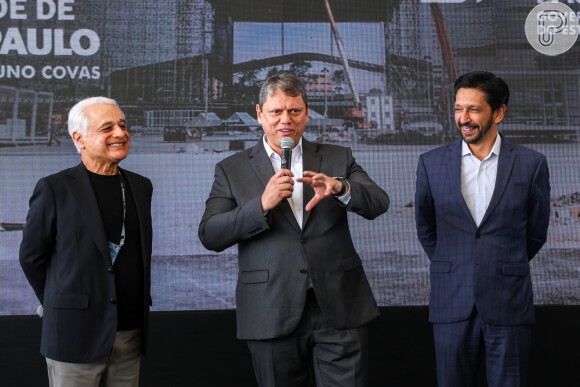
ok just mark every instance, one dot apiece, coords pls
pixel 79 140
pixel 258 113
pixel 499 113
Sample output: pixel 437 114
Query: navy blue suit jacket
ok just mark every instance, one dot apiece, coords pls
pixel 65 257
pixel 485 266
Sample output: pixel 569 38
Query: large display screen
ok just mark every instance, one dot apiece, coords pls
pixel 379 76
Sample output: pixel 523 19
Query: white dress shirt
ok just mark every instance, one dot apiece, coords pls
pixel 297 167
pixel 478 179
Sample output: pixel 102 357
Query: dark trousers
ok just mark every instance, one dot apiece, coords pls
pixel 315 354
pixel 458 346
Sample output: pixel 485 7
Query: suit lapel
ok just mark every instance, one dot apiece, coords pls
pixel 454 172
pixel 311 160
pixel 89 209
pixel 262 166
pixel 136 194
pixel 505 164
pixel 261 163
pixel 140 201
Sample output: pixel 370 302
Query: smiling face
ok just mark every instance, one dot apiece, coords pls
pixel 282 116
pixel 476 122
pixel 106 142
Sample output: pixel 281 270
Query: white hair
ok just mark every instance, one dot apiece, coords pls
pixel 78 120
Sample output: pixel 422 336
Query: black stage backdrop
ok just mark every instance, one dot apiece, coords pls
pixel 199 348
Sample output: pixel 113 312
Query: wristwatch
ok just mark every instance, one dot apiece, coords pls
pixel 343 182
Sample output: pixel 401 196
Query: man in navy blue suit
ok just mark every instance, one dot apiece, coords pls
pixel 482 213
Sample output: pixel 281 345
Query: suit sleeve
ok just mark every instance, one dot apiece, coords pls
pixel 538 210
pixel 225 222
pixel 425 218
pixel 367 198
pixel 38 237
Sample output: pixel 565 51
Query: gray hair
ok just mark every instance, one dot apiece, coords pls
pixel 287 83
pixel 78 120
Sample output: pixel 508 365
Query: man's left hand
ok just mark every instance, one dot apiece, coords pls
pixel 323 186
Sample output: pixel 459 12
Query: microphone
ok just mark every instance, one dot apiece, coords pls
pixel 287 144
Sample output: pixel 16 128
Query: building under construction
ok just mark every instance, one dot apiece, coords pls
pixel 212 56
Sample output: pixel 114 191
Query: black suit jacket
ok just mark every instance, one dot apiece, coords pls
pixel 275 254
pixel 65 257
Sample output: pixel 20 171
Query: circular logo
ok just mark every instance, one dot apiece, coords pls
pixel 552 28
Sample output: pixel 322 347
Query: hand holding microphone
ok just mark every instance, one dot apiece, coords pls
pixel 281 184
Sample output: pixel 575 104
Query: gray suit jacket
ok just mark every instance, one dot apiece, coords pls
pixel 276 256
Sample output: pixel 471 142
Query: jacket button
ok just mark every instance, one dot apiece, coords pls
pixel 110 269
pixel 113 301
pixel 477 235
pixel 303 271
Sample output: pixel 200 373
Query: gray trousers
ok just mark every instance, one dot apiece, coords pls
pixel 119 369
pixel 315 354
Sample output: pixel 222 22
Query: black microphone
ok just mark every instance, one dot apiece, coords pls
pixel 287 144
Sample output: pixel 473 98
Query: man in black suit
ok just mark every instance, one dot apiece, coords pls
pixel 303 299
pixel 86 252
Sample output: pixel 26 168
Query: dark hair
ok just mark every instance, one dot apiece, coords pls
pixel 287 83
pixel 496 90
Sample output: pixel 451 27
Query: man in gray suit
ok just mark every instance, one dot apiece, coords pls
pixel 302 296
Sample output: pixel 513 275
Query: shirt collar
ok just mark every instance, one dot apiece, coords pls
pixel 465 151
pixel 270 152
